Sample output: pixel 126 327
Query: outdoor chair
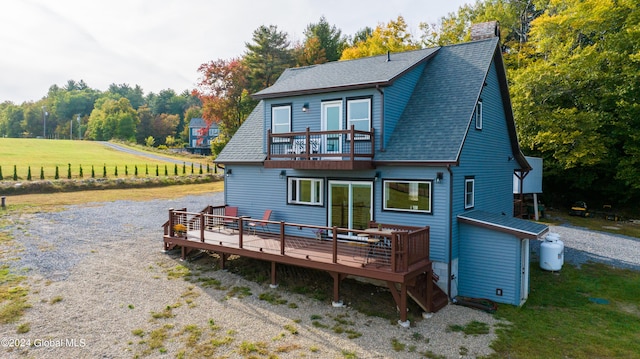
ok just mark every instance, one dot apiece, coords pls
pixel 263 225
pixel 230 222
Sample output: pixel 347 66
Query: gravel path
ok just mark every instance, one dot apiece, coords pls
pixel 100 287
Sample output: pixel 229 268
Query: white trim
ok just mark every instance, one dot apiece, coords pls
pixel 468 205
pixel 275 108
pixel 316 191
pixel 414 182
pixel 350 120
pixel 477 115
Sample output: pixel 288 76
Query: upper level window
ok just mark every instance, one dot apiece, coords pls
pixel 281 119
pixel 359 115
pixel 305 191
pixel 213 132
pixel 411 196
pixel 478 115
pixel 469 193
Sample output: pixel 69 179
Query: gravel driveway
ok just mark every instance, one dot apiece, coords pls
pixel 100 287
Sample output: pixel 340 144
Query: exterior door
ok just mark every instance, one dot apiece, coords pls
pixel 350 204
pixel 332 121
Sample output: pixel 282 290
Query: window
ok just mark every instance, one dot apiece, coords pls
pixel 194 131
pixel 478 115
pixel 359 115
pixel 281 119
pixel 213 132
pixel 469 190
pixel 412 196
pixel 305 191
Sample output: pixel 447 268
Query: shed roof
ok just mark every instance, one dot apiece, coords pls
pixel 339 75
pixel 504 223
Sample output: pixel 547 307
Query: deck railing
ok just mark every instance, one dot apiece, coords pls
pixel 336 145
pixel 403 247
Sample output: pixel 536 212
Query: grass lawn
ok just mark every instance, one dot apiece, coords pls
pixel 43 154
pixel 591 312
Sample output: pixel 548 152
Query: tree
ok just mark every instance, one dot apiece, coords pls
pixel 223 92
pixel 267 56
pixel 145 125
pixel 392 37
pixel 325 37
pixel 311 53
pixel 134 95
pixel 112 119
pixel 577 99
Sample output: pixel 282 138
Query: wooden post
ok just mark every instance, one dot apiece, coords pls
pixel 307 145
pixel 202 227
pixel 269 140
pixel 171 222
pixel 335 244
pixel 2 202
pixel 273 274
pixel 240 227
pixel 282 237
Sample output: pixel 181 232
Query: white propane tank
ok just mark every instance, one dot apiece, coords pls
pixel 552 253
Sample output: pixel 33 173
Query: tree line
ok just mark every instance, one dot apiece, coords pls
pixel 573 68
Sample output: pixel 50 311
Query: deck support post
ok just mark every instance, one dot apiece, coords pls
pixel 274 282
pixel 337 278
pixel 400 297
pixel 223 260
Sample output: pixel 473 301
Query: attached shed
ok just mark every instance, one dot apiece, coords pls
pixel 494 256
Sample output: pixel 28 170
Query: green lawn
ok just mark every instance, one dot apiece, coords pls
pixel 591 312
pixel 43 154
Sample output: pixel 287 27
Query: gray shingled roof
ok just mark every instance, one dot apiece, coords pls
pixel 200 122
pixel 364 72
pixel 247 143
pixel 441 105
pixel 516 226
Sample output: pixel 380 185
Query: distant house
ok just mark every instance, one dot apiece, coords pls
pixel 418 138
pixel 201 134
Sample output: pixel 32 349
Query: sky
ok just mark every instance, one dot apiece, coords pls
pixel 159 44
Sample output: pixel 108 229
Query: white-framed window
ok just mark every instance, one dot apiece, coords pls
pixel 359 115
pixel 408 196
pixel 478 115
pixel 213 132
pixel 194 131
pixel 305 191
pixel 469 193
pixel 281 119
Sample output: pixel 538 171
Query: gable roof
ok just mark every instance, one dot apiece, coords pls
pixel 247 143
pixel 200 122
pixel 503 223
pixel 442 104
pixel 341 75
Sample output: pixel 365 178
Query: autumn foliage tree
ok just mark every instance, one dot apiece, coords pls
pixel 223 90
pixel 393 37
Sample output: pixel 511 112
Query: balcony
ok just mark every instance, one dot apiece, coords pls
pixel 321 150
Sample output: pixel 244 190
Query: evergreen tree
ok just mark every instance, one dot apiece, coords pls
pixel 57 175
pixel 29 173
pixel 41 173
pixel 15 173
pixel 69 171
pixel 267 56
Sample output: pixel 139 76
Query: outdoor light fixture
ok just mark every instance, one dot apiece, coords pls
pixel 510 158
pixel 376 178
pixel 305 107
pixel 283 174
pixel 229 172
pixel 439 177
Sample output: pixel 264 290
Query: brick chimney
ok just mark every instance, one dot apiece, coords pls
pixel 485 30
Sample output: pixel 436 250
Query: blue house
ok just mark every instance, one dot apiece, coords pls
pixel 201 134
pixel 418 138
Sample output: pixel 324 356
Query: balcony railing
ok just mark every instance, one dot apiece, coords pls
pixel 352 148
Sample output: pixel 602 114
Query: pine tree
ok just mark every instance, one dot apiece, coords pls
pixel 41 173
pixel 69 171
pixel 80 172
pixel 57 176
pixel 29 174
pixel 15 173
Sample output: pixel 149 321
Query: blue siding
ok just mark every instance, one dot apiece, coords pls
pixel 485 156
pixel 489 260
pixel 396 98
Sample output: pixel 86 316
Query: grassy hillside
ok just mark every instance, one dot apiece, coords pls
pixel 47 154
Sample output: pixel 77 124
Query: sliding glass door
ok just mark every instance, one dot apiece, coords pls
pixel 350 204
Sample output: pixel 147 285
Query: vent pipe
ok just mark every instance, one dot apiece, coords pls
pixel 388 55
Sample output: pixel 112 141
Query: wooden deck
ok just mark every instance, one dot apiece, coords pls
pixel 398 255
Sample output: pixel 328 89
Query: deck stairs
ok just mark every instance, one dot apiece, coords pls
pixel 418 292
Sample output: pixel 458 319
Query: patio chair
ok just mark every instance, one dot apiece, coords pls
pixel 263 225
pixel 231 223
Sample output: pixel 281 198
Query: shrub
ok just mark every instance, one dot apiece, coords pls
pixel 104 171
pixel 136 170
pixel 115 171
pixel 29 174
pixel 175 169
pixel 157 171
pixel 80 172
pixel 166 171
pixel 126 170
pixel 1 177
pixel 15 173
pixel 93 172
pixel 41 173
pixel 69 171
pixel 57 175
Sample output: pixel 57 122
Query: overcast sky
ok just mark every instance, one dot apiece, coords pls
pixel 159 44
